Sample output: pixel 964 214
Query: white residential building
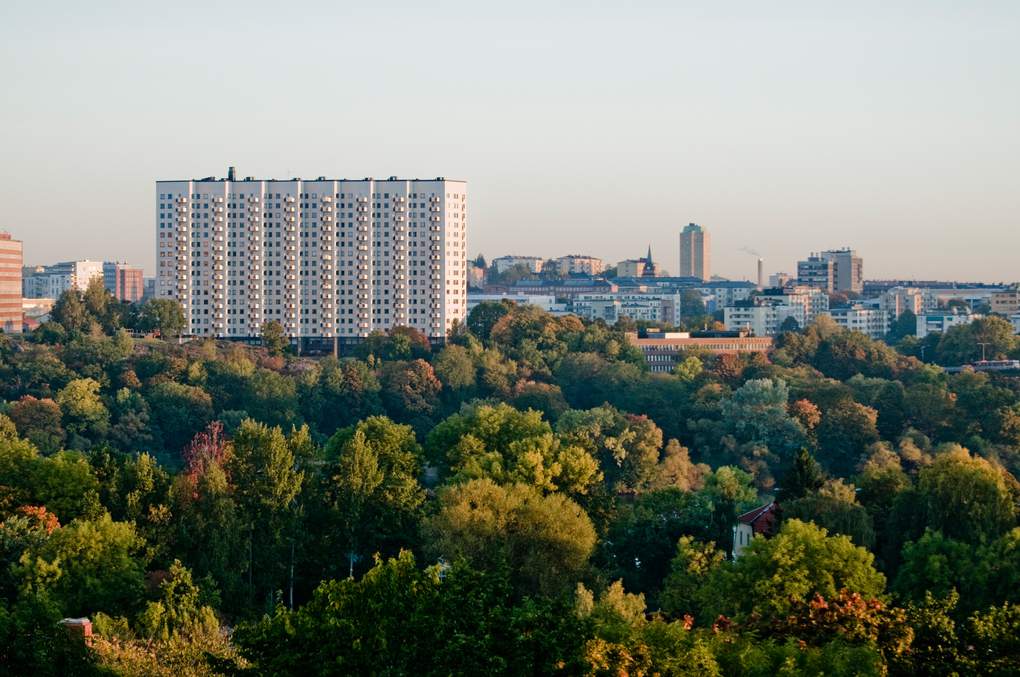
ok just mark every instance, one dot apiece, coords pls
pixel 326 258
pixel 764 315
pixel 546 303
pixel 874 322
pixel 941 321
pixel 661 308
pixel 505 263
pixel 49 282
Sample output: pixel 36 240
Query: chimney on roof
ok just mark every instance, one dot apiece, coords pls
pixel 230 173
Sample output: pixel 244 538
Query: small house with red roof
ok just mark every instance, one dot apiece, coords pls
pixel 762 521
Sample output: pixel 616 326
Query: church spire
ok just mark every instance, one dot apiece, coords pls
pixel 649 259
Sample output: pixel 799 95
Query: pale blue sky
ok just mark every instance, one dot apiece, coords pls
pixel 785 127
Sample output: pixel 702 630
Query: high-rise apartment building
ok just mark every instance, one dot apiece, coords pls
pixel 326 258
pixel 695 252
pixel 835 270
pixel 11 259
pixel 124 281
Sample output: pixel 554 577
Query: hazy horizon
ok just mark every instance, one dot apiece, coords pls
pixel 781 129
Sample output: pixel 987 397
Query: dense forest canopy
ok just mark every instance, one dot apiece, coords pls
pixel 528 498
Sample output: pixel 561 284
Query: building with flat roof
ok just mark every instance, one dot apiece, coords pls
pixel 50 281
pixel 11 261
pixel 941 321
pixel 578 264
pixel 502 264
pixel 873 322
pixel 124 281
pixel 663 350
pixel 835 270
pixel 695 252
pixel 326 258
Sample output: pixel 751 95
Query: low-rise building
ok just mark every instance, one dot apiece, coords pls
pixel 1006 301
pixel 762 521
pixel 726 292
pixel 940 321
pixel 659 308
pixel 546 303
pixel 579 264
pixel 563 289
pixel 505 263
pixel 630 268
pixel 664 350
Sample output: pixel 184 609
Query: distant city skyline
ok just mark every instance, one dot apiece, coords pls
pixel 781 129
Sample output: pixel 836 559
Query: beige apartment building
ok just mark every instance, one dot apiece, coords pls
pixel 1006 301
pixel 695 252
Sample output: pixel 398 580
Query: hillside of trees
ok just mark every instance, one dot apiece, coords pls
pixel 527 499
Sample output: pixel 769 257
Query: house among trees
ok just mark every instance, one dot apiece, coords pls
pixel 762 520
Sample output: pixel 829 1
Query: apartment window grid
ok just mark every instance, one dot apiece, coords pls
pixel 324 258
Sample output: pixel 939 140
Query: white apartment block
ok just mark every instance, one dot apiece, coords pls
pixel 764 314
pixel 761 320
pixel 873 322
pixel 941 321
pixel 660 308
pixel 326 258
pixel 504 263
pixel 49 282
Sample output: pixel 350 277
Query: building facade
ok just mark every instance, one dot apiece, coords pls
pixel 835 270
pixel 11 261
pixel 49 282
pixel 663 350
pixel 579 264
pixel 940 321
pixel 873 322
pixel 1005 301
pixel 125 282
pixel 899 300
pixel 816 271
pixel 630 268
pixel 695 252
pixel 504 263
pixel 326 258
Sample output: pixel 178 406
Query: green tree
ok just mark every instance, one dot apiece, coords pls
pixel 70 313
pixel 163 315
pixel 38 421
pixel 544 540
pixel 88 566
pixel 627 447
pixel 693 562
pixel 274 338
pixel 262 469
pixel 179 411
pixel 84 415
pixel 796 564
pixel 374 495
pixel 506 445
pixel 966 497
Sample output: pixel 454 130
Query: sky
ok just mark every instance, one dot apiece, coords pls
pixel 783 128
